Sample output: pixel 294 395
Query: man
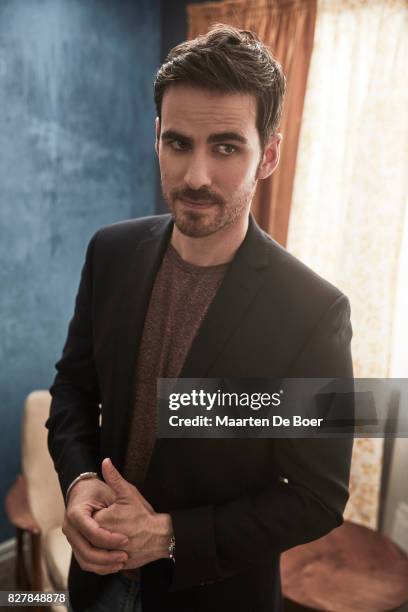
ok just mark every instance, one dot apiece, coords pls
pixel 195 525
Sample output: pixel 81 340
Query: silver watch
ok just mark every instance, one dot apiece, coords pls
pixel 172 549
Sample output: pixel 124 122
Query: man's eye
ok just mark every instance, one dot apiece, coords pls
pixel 226 149
pixel 178 145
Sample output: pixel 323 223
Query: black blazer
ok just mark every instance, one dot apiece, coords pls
pixel 232 511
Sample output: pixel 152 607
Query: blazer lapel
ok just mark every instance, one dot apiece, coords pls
pixel 240 285
pixel 138 280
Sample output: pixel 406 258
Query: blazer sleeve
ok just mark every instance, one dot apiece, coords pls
pixel 73 424
pixel 307 502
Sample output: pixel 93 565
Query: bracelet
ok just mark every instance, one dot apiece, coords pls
pixel 83 476
pixel 172 549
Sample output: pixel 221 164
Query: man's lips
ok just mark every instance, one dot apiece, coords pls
pixel 195 204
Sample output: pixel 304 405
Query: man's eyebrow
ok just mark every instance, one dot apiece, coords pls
pixel 172 135
pixel 223 136
pixel 212 139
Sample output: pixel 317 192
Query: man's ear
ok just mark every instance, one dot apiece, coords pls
pixel 156 146
pixel 270 157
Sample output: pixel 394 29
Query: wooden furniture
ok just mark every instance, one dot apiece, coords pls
pixel 352 569
pixel 19 514
pixel 35 506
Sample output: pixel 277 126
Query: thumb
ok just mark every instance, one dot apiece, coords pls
pixel 114 479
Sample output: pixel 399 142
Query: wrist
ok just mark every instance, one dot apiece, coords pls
pixel 83 476
pixel 165 534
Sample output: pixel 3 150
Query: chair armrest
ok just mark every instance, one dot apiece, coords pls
pixel 18 509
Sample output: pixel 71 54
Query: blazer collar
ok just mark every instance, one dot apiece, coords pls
pixel 242 280
pixel 252 253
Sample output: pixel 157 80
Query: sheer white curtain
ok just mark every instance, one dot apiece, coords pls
pixel 399 353
pixel 351 186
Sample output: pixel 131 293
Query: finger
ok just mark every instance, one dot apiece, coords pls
pixel 96 535
pixel 106 519
pixel 114 479
pixel 122 487
pixel 98 569
pixel 138 559
pixel 88 555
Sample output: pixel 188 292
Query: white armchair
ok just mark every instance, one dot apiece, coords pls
pixel 35 505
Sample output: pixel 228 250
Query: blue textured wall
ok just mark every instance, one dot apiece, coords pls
pixel 76 153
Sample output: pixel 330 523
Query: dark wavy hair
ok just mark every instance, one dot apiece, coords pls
pixel 228 60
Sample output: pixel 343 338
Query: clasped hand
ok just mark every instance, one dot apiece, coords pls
pixel 111 526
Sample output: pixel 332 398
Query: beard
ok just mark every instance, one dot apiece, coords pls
pixel 202 222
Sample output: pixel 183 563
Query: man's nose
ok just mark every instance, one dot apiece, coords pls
pixel 198 173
